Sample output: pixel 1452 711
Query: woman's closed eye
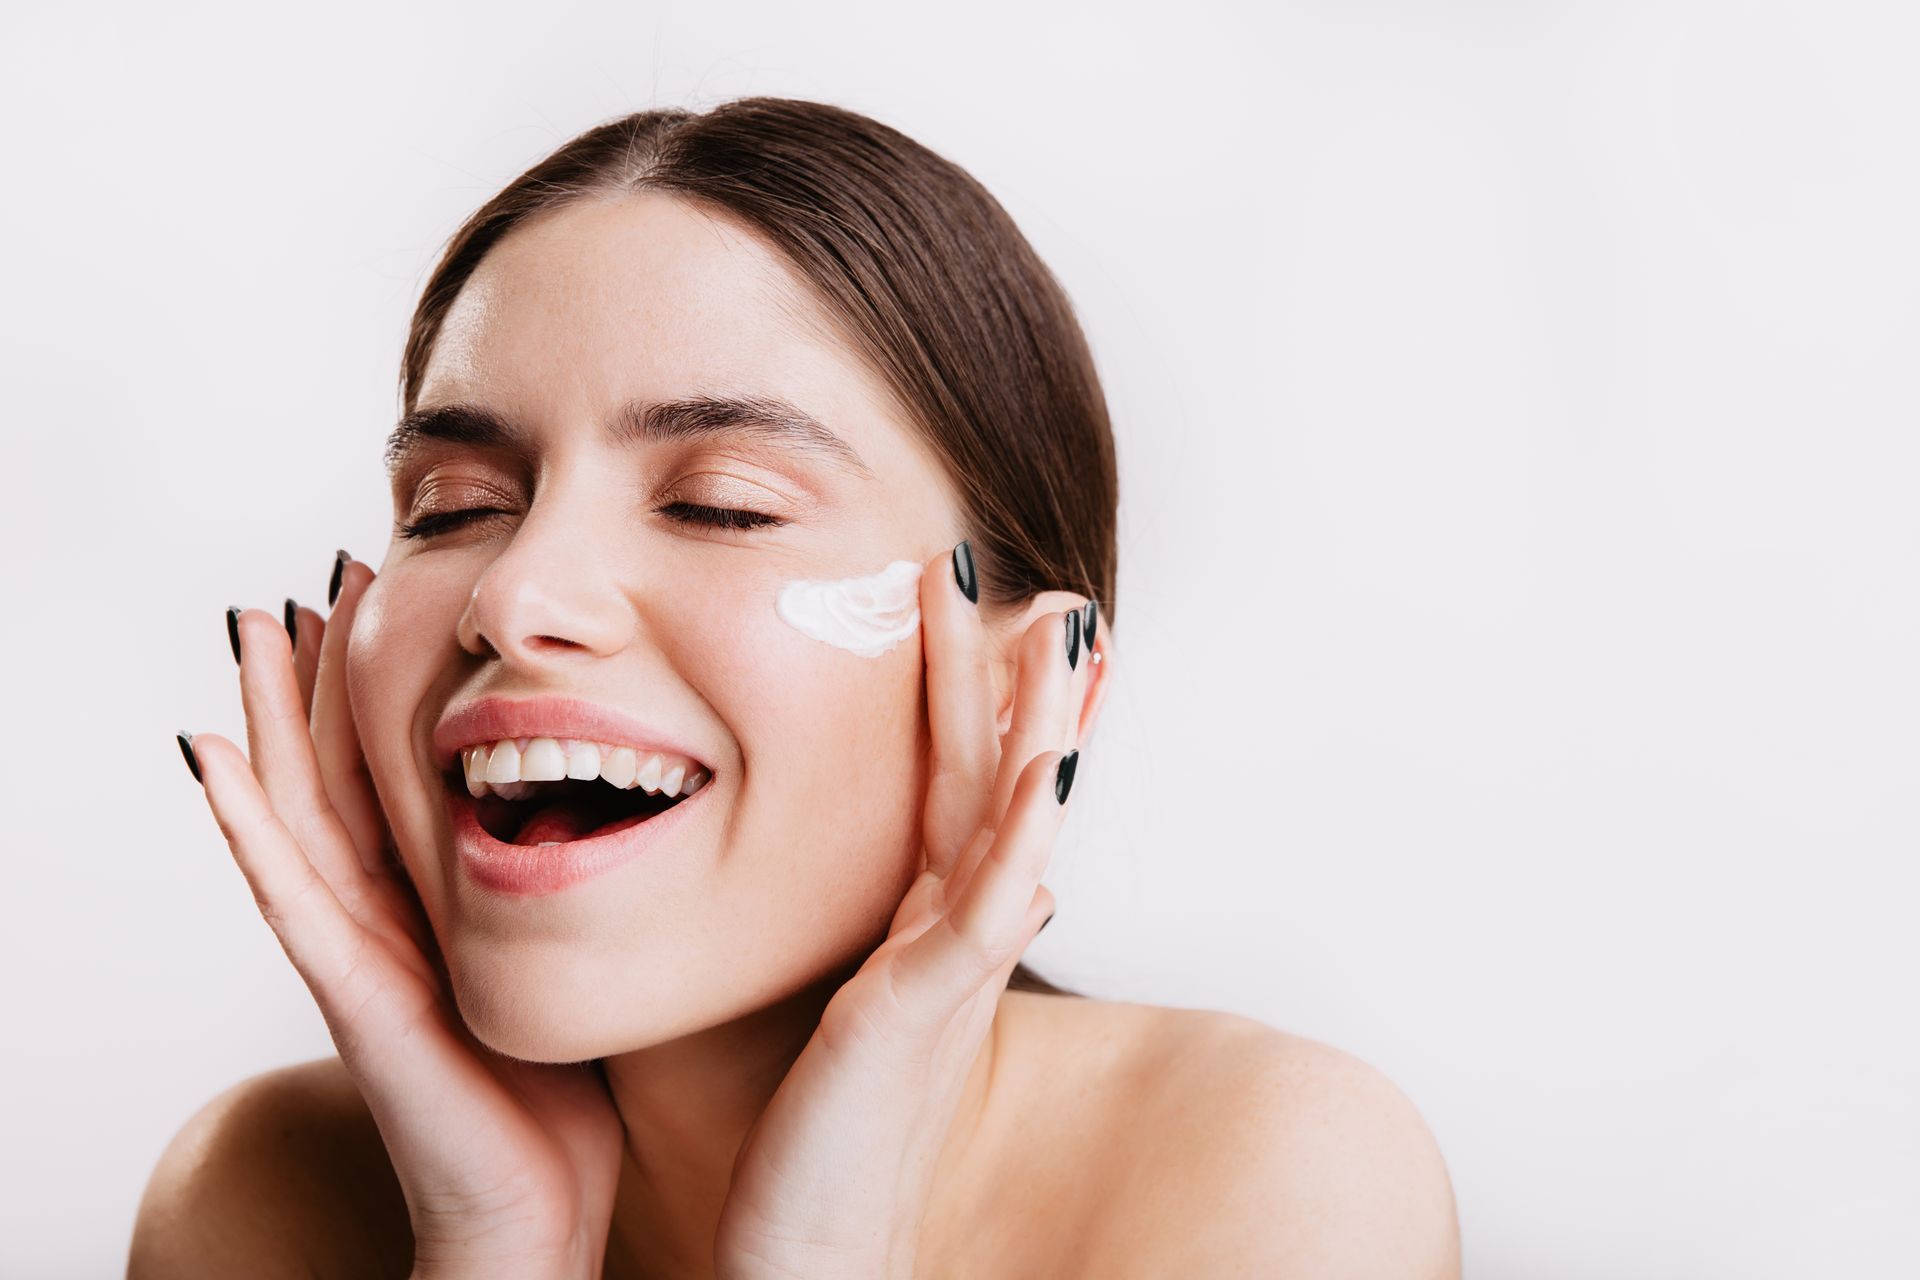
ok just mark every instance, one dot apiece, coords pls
pixel 682 512
pixel 723 517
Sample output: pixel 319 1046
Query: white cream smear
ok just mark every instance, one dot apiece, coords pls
pixel 867 616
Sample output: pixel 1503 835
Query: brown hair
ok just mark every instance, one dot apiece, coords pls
pixel 932 280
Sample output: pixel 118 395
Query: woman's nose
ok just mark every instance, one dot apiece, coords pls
pixel 552 592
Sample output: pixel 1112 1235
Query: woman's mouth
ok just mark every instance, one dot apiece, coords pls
pixel 535 836
pixel 544 791
pixel 566 810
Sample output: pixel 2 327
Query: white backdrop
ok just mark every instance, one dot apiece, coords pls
pixel 1516 407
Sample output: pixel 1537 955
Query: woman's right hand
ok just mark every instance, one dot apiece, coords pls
pixel 509 1168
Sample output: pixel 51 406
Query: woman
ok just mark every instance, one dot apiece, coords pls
pixel 659 831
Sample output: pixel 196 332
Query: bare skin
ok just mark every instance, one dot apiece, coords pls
pixel 1085 1137
pixel 1097 1155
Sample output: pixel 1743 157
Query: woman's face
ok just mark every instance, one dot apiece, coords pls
pixel 807 835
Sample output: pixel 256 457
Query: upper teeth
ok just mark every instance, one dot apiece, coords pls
pixel 508 767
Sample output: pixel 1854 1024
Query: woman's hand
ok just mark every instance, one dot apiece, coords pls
pixel 509 1168
pixel 833 1178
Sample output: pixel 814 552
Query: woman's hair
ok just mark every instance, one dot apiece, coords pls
pixel 930 279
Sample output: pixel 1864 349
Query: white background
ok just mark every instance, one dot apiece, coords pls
pixel 1516 408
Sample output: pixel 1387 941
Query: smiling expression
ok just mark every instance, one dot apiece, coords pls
pixel 615 376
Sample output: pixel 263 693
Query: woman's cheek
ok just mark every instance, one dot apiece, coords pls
pixel 390 668
pixel 849 650
pixel 832 775
pixel 368 668
pixel 806 710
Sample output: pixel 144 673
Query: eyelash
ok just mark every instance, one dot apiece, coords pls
pixel 690 513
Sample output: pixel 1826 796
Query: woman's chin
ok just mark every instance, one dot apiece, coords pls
pixel 533 1034
pixel 555 1021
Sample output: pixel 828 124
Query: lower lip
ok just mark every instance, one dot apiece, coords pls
pixel 530 871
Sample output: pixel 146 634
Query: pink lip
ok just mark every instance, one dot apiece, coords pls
pixel 529 871
pixel 491 719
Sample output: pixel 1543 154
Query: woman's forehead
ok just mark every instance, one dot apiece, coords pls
pixel 648 298
pixel 646 280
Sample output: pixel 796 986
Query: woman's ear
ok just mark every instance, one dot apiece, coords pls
pixel 1006 632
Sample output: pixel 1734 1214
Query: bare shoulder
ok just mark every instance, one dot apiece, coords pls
pixel 1229 1147
pixel 260 1181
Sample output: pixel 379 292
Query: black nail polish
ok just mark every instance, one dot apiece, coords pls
pixel 1089 622
pixel 963 571
pixel 293 631
pixel 1073 638
pixel 233 630
pixel 1043 925
pixel 186 749
pixel 1063 774
pixel 340 559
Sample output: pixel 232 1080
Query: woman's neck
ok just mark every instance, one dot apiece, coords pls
pixel 687 1105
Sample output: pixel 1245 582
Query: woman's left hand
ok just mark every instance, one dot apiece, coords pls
pixel 834 1177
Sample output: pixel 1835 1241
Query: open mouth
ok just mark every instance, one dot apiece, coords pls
pixel 563 810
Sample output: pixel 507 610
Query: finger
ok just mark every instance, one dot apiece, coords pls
pixel 1096 648
pixel 1081 675
pixel 956 882
pixel 315 929
pixel 997 911
pixel 281 751
pixel 960 708
pixel 308 629
pixel 354 979
pixel 1042 692
pixel 391 905
pixel 343 766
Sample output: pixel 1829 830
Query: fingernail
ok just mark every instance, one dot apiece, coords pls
pixel 963 571
pixel 1043 925
pixel 1063 774
pixel 1073 638
pixel 1089 622
pixel 340 559
pixel 233 630
pixel 186 749
pixel 293 632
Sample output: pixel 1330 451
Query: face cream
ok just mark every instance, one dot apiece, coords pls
pixel 867 616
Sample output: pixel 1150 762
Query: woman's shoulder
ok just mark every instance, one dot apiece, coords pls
pixel 259 1179
pixel 1210 1140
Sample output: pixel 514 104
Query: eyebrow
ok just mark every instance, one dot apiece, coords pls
pixel 766 418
